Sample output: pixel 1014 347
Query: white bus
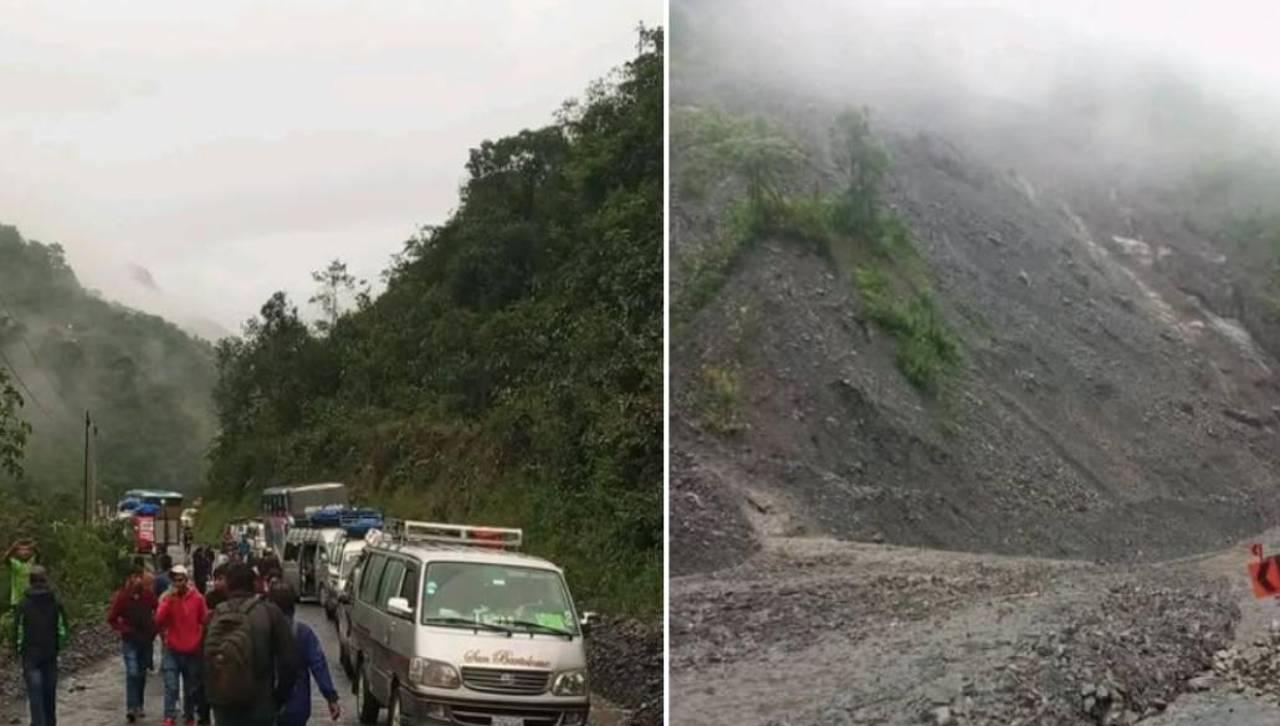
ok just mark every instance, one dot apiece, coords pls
pixel 281 506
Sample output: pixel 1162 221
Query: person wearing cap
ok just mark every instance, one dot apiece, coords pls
pixel 40 631
pixel 180 621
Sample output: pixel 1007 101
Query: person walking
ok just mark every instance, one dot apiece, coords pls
pixel 217 589
pixel 19 559
pixel 148 577
pixel 222 558
pixel 162 581
pixel 40 631
pixel 132 615
pixel 201 568
pixel 311 663
pixel 180 620
pixel 251 663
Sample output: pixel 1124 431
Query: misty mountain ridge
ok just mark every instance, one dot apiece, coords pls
pixel 147 383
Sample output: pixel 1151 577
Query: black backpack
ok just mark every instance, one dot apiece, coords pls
pixel 141 620
pixel 231 676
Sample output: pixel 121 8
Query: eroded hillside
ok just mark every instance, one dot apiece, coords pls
pixel 1115 396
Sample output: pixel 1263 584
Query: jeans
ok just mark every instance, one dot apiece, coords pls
pixel 137 661
pixel 42 691
pixel 187 667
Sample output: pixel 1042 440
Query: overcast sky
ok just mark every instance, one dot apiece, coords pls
pixel 229 148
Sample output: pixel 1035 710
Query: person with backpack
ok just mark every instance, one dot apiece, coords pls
pixel 251 666
pixel 180 620
pixel 132 615
pixel 40 631
pixel 311 663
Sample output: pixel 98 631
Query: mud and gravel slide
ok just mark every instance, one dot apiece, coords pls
pixel 92 691
pixel 1242 689
pixel 817 631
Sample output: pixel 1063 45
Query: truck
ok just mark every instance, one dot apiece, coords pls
pixel 154 518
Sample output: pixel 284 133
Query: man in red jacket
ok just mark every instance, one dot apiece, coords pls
pixel 180 621
pixel 132 615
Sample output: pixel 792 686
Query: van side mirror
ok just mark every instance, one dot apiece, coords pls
pixel 399 607
pixel 588 621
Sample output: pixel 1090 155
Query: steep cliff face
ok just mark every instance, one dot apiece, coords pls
pixel 1116 399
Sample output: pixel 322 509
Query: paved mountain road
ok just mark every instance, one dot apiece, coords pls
pixel 95 697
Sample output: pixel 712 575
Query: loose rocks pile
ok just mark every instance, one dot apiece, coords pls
pixel 1107 649
pixel 625 662
pixel 1123 660
pixel 1253 670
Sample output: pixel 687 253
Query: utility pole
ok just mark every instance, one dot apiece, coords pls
pixel 88 486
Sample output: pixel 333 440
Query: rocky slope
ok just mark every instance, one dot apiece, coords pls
pixel 1116 400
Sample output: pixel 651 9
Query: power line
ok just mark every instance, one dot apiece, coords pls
pixel 8 309
pixel 24 385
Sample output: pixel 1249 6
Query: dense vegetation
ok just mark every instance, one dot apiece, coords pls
pixel 85 563
pixel 511 372
pixel 64 350
pixel 767 169
pixel 13 428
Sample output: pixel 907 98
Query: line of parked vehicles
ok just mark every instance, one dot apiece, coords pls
pixel 437 623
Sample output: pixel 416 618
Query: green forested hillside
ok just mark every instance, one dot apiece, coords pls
pixel 65 350
pixel 511 373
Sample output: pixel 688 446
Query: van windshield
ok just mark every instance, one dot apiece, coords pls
pixel 518 598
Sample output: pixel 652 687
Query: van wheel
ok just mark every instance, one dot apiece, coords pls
pixel 393 708
pixel 367 706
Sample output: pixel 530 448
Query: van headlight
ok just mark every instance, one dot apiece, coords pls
pixel 570 683
pixel 433 674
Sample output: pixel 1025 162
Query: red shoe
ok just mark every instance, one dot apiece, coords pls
pixel 169 722
pixel 189 722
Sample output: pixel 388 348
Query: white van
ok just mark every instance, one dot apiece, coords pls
pixel 306 554
pixel 450 626
pixel 339 561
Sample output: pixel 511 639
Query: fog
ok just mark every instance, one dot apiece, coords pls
pixel 1150 88
pixel 193 158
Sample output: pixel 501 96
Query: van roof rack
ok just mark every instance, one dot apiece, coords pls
pixel 408 530
pixel 358 522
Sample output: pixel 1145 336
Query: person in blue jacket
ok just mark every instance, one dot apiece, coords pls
pixel 297 710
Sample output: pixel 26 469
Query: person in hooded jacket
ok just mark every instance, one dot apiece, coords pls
pixel 311 663
pixel 180 618
pixel 40 631
pixel 132 615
